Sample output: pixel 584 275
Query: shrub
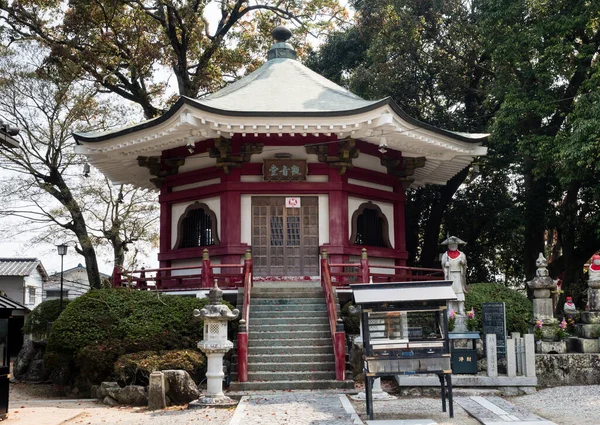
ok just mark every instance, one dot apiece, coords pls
pixel 98 327
pixel 518 307
pixel 351 321
pixel 36 322
pixel 135 369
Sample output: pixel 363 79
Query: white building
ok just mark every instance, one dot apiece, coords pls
pixel 75 283
pixel 22 280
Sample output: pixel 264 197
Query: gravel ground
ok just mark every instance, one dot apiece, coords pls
pixel 564 405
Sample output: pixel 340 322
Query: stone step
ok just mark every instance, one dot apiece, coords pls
pixel 291 385
pixel 279 350
pixel 308 321
pixel 298 342
pixel 300 334
pixel 257 315
pixel 283 356
pixel 264 326
pixel 285 292
pixel 292 375
pixel 291 366
pixel 287 301
pixel 287 308
pixel 279 284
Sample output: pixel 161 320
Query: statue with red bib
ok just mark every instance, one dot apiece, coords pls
pixel 454 263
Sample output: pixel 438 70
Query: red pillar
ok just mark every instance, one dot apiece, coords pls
pixel 231 220
pixel 338 214
pixel 399 226
pixel 165 230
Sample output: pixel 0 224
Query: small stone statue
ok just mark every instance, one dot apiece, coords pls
pixel 594 269
pixel 569 307
pixel 454 263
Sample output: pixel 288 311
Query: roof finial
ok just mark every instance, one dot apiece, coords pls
pixel 281 34
pixel 281 49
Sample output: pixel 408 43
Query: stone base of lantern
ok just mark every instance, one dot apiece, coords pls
pixel 221 401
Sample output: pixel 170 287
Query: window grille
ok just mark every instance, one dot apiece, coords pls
pixel 370 227
pixel 197 227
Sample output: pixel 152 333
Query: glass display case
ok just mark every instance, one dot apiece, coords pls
pixel 405 332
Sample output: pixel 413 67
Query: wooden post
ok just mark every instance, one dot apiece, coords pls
pixel 324 265
pixel 117 280
pixel 364 266
pixel 340 351
pixel 242 352
pixel 206 271
pixel 248 264
pixel 141 283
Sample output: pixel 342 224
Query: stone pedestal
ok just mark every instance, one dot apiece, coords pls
pixel 590 317
pixel 583 345
pixel 551 347
pixel 542 309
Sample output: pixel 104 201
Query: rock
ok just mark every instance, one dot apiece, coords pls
pixel 131 395
pixel 29 365
pixel 109 401
pixel 106 387
pixel 61 375
pixel 95 391
pixel 432 392
pixel 36 372
pixel 180 388
pixel 411 392
pixel 509 391
pixel 528 390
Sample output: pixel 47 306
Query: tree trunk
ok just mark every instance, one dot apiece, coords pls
pixel 431 240
pixel 536 204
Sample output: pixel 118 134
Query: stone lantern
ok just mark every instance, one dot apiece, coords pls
pixel 215 345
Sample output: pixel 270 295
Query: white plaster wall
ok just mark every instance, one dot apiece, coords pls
pixel 177 211
pixel 246 214
pixel 197 184
pixel 377 261
pixel 386 208
pixel 296 152
pixel 34 280
pixel 13 287
pixel 196 162
pixel 369 162
pixel 371 185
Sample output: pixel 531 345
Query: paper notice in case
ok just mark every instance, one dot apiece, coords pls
pixel 292 202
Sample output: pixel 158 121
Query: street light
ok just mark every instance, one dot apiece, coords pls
pixel 62 250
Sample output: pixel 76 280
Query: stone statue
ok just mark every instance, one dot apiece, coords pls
pixel 594 269
pixel 569 307
pixel 454 263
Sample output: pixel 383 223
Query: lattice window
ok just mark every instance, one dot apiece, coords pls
pixel 197 227
pixel 370 227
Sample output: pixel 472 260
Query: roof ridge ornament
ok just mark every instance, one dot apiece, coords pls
pixel 281 49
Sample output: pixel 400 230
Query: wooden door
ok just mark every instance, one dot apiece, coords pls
pixel 285 241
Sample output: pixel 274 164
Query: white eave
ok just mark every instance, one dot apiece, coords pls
pixel 282 97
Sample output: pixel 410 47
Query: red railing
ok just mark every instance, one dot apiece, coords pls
pixel 242 341
pixel 343 274
pixel 184 277
pixel 338 336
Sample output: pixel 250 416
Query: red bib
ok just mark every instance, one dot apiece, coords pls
pixel 453 254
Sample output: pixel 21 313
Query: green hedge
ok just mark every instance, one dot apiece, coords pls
pixel 519 309
pixel 102 325
pixel 36 322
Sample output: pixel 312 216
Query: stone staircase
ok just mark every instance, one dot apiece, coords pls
pixel 289 342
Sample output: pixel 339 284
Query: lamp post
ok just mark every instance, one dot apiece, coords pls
pixel 62 250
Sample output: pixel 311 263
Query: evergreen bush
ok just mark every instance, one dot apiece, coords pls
pixel 102 325
pixel 37 322
pixel 519 309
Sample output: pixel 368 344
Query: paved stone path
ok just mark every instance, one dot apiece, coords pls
pixel 295 409
pixel 497 411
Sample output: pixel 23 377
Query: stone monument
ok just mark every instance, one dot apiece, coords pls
pixel 543 310
pixel 454 263
pixel 589 331
pixel 215 345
